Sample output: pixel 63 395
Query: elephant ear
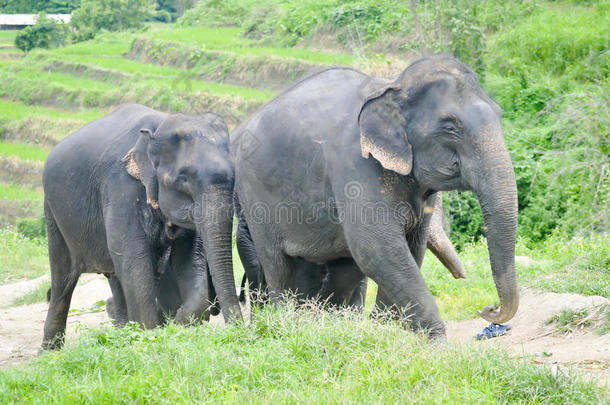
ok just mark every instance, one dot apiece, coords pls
pixel 139 166
pixel 382 130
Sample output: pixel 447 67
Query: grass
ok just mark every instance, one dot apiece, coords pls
pixel 230 40
pixel 24 151
pixel 569 320
pixel 579 266
pixel 39 294
pixel 109 44
pixel 64 80
pixel 8 35
pixel 284 356
pixel 19 193
pixel 14 110
pixel 21 257
pixel 569 317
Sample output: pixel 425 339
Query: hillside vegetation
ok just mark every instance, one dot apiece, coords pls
pixel 545 62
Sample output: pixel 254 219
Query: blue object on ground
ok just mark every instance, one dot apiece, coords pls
pixel 493 330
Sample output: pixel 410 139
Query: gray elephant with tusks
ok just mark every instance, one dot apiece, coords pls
pixel 355 159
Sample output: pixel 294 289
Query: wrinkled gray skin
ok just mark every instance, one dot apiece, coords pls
pixel 120 191
pixel 340 144
pixel 188 257
pixel 328 282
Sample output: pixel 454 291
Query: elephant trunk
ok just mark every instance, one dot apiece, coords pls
pixel 215 224
pixel 496 189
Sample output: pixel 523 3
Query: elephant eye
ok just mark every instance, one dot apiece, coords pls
pixel 450 126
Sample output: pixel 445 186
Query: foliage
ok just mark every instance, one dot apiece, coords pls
pixel 21 257
pixel 45 34
pixel 284 355
pixel 112 15
pixel 37 6
pixel 170 10
pixel 286 22
pixel 32 227
pixel 569 320
pixel 569 317
pixel 550 75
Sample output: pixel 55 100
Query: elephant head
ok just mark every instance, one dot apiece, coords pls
pixel 185 166
pixel 435 124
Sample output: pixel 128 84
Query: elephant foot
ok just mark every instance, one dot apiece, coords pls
pixel 118 320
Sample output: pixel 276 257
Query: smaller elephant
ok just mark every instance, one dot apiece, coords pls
pixel 124 189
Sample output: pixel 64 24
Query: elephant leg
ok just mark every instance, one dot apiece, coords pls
pixel 343 278
pixel 169 298
pixel 190 268
pixel 137 280
pixel 358 298
pixel 64 277
pixel 134 263
pixel 252 267
pixel 385 257
pixel 116 306
pixel 308 278
pixel 280 272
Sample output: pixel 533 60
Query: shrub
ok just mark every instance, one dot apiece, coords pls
pixel 170 10
pixel 37 6
pixel 45 34
pixel 111 15
pixel 32 227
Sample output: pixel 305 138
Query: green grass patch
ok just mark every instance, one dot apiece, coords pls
pixel 8 35
pixel 39 294
pixel 64 80
pixel 21 257
pixel 569 317
pixel 23 151
pixel 284 356
pixel 15 110
pixel 109 44
pixel 19 193
pixel 578 266
pixel 569 320
pixel 178 79
pixel 230 40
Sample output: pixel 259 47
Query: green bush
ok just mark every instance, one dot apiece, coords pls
pixel 37 6
pixel 112 15
pixel 170 10
pixel 32 227
pixel 45 34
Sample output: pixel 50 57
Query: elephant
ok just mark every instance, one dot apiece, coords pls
pixel 341 164
pixel 315 280
pixel 122 189
pixel 188 256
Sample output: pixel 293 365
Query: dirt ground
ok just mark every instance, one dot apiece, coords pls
pixel 530 339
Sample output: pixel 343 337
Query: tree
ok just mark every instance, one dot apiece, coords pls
pixel 37 6
pixel 111 15
pixel 45 34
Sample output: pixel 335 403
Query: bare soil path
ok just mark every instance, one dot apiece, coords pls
pixel 530 339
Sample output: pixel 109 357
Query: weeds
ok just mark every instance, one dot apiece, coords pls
pixel 315 356
pixel 39 294
pixel 570 321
